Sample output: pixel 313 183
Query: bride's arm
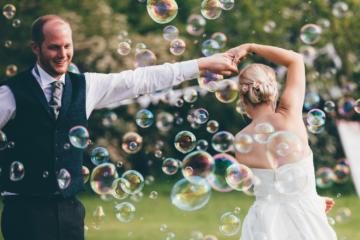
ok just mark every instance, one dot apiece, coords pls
pixel 292 98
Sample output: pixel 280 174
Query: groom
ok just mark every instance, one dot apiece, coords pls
pixel 38 108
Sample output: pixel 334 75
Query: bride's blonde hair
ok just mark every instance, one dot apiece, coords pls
pixel 257 84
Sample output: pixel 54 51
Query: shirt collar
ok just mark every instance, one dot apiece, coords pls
pixel 45 79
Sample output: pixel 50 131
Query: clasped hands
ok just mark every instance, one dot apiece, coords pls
pixel 224 63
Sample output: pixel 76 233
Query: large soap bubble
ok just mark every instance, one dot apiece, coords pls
pixel 102 178
pixel 162 11
pixel 217 178
pixel 198 163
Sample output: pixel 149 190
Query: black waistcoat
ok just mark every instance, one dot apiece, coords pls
pixel 39 138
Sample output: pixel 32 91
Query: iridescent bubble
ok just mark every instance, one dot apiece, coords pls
pixel 341 173
pixel 99 155
pixel 290 180
pixel 17 171
pixel 125 212
pixel 343 215
pixel 217 178
pixel 124 48
pixel 227 91
pixel 197 163
pixel 263 132
pixel 177 47
pixel 144 58
pixel 170 166
pixel 85 173
pixel 8 43
pixel 162 11
pixel 284 147
pixel 63 178
pixel 73 68
pixel 98 217
pixel 123 35
pixel 135 180
pixel 131 142
pixel 346 107
pixel 190 195
pixel 16 23
pixel 163 228
pixel 340 9
pixel 190 95
pixel 312 100
pixel 212 126
pixel 144 118
pixel 102 178
pixel 9 11
pixel 222 141
pixel 211 9
pixel 109 119
pixel 210 47
pixel 202 144
pixel 179 103
pixel 158 153
pixel 239 177
pixel 243 142
pixel 329 106
pixel 316 117
pixel 357 106
pixel 45 174
pixel 201 115
pixel 229 224
pixel 209 80
pixel 164 121
pixel 324 177
pixel 11 70
pixel 153 195
pixel 310 33
pixel 269 26
pixel 117 188
pixel 185 141
pixel 3 141
pixel 220 38
pixel 227 4
pixel 170 33
pixel 79 137
pixel 195 25
pixel 139 47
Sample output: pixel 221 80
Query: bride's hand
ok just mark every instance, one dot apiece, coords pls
pixel 221 63
pixel 239 53
pixel 329 203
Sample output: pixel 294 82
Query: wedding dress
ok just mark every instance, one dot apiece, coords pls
pixel 287 206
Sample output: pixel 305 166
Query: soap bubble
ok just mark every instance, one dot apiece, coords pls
pixel 346 106
pixel 229 224
pixel 63 178
pixel 164 121
pixel 202 144
pixel 284 147
pixel 85 173
pixel 144 58
pixel 209 80
pixel 217 178
pixel 239 177
pixel 201 115
pixel 195 25
pixel 341 173
pixel 117 188
pixel 99 155
pixel 98 217
pixel 102 178
pixel 227 4
pixel 170 33
pixel 324 177
pixel 343 215
pixel 125 212
pixel 312 100
pixel 190 195
pixel 197 163
pixel 340 9
pixel 79 137
pixel 220 38
pixel 269 26
pixel 190 95
pixel 210 47
pixel 170 166
pixel 124 48
pixel 222 141
pixel 144 118
pixel 263 132
pixel 162 11
pixel 329 106
pixel 135 182
pixel 310 33
pixel 316 117
pixel 243 142
pixel 11 70
pixel 8 43
pixel 17 171
pixel 16 23
pixel 357 106
pixel 153 195
pixel 211 9
pixel 109 118
pixel 185 141
pixel 177 47
pixel 3 141
pixel 131 142
pixel 227 91
pixel 9 11
pixel 212 126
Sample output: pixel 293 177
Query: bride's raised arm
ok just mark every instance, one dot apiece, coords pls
pixel 292 99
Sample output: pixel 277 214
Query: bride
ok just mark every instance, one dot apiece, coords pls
pixel 276 215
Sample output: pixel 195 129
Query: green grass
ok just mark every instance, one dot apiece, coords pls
pixel 150 214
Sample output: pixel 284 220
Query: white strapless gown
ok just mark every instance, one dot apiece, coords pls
pixel 287 206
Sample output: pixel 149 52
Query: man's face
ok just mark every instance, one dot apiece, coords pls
pixel 56 51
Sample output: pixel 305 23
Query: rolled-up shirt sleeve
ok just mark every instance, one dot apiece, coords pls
pixel 7 105
pixel 104 90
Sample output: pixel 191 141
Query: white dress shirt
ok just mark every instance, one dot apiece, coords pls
pixel 103 90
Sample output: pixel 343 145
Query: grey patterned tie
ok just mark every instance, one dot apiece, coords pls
pixel 55 100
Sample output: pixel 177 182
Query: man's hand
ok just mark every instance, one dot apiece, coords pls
pixel 221 63
pixel 329 203
pixel 239 53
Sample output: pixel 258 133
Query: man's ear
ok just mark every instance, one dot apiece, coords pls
pixel 35 48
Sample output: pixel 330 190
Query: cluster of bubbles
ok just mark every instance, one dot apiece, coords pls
pixel 326 176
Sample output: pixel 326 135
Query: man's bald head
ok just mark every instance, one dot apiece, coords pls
pixel 37 33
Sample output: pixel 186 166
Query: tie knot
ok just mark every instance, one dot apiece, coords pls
pixel 57 84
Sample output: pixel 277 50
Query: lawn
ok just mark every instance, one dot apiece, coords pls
pixel 152 213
